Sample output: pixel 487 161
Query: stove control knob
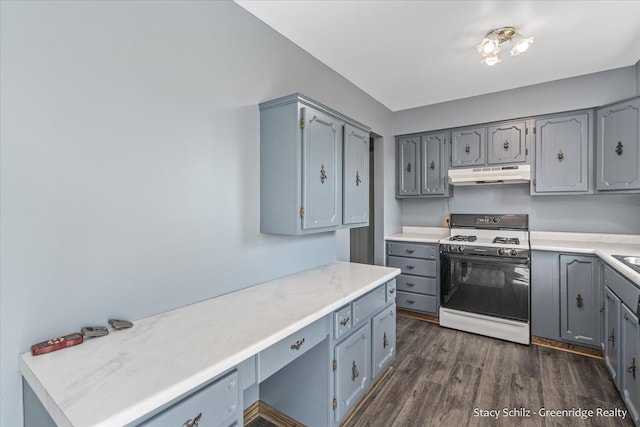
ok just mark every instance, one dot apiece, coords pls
pixel 452 248
pixel 501 251
pixel 514 252
pixel 460 248
pixel 495 220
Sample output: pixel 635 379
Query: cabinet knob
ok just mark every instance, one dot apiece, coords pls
pixel 358 180
pixel 323 175
pixel 411 301
pixel 579 301
pixel 410 266
pixel 297 345
pixel 193 422
pixel 408 167
pixel 467 149
pixel 354 371
pixel 385 341
pixel 632 369
pixel 619 148
pixel 505 145
pixel 560 156
pixel 344 321
pixel 432 165
pixel 612 338
pixel 410 251
pixel 410 284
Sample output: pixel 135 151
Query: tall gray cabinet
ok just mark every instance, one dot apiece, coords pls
pixel 314 168
pixel 618 147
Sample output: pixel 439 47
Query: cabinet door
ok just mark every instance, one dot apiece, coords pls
pixel 618 147
pixel 630 359
pixel 579 299
pixel 434 180
pixel 468 147
pixel 356 176
pixel 322 170
pixel 383 327
pixel 562 159
pixel 352 370
pixel 612 331
pixel 507 143
pixel 409 166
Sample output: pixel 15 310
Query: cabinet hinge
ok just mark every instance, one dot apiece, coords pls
pixel 450 159
pixel 534 131
pixel 335 364
pixel 526 151
pixel 301 122
pixel 534 182
pixel 301 213
pixel 335 403
pixel 526 131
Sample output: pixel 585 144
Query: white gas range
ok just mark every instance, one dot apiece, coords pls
pixel 485 275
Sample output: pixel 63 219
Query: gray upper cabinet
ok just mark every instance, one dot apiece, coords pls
pixel 468 147
pixel 408 166
pixel 506 143
pixel 322 155
pixel 356 176
pixel 313 163
pixel 422 165
pixel 562 162
pixel 618 147
pixel 580 299
pixel 434 170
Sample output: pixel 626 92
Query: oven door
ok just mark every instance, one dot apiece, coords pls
pixel 486 285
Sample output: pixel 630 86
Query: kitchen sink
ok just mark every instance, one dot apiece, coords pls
pixel 629 261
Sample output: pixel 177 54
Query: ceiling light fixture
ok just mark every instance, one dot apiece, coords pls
pixel 489 47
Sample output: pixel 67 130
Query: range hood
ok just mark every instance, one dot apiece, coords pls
pixel 490 175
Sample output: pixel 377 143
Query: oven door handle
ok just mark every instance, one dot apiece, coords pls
pixel 503 260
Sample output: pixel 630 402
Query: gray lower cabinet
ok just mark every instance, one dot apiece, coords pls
pixel 218 404
pixel 417 285
pixel 562 161
pixel 422 165
pixel 364 345
pixel 612 334
pixel 580 300
pixel 313 163
pixel 618 147
pixel 630 359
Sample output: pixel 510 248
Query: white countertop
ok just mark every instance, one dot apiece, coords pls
pixel 116 379
pixel 420 234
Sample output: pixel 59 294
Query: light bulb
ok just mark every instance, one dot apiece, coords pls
pixel 491 60
pixel 520 44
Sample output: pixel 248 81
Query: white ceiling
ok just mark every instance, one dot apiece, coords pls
pixel 411 53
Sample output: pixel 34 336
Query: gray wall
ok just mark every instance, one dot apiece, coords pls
pixel 595 213
pixel 130 163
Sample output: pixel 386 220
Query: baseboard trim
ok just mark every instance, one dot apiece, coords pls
pixel 373 389
pixel 269 413
pixel 569 348
pixel 419 316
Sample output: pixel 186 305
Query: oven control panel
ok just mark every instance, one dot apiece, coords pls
pixel 485 250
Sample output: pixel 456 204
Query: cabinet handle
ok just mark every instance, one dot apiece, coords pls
pixel 410 251
pixel 601 308
pixel 411 301
pixel 467 149
pixel 354 371
pixel 410 284
pixel 408 167
pixel 432 165
pixel 632 369
pixel 626 317
pixel 612 338
pixel 391 291
pixel 579 301
pixel 297 345
pixel 358 180
pixel 619 148
pixel 506 145
pixel 344 321
pixel 323 175
pixel 193 422
pixel 560 156
pixel 385 341
pixel 411 267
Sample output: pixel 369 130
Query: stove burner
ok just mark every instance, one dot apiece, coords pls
pixel 461 238
pixel 507 240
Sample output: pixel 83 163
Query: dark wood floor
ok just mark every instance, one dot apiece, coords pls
pixel 441 376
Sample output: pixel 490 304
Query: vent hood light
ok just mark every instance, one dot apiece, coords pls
pixel 490 175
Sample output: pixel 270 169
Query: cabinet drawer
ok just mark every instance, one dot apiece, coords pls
pixel 419 267
pixel 412 250
pixel 281 353
pixel 418 302
pixel 218 403
pixel 342 321
pixel 628 293
pixel 368 304
pixel 391 290
pixel 420 285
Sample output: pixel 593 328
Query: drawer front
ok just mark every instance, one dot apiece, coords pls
pixel 218 403
pixel 368 304
pixel 628 293
pixel 414 266
pixel 413 250
pixel 417 302
pixel 420 285
pixel 391 290
pixel 342 321
pixel 283 352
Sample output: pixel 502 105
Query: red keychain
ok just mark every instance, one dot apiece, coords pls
pixel 57 344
